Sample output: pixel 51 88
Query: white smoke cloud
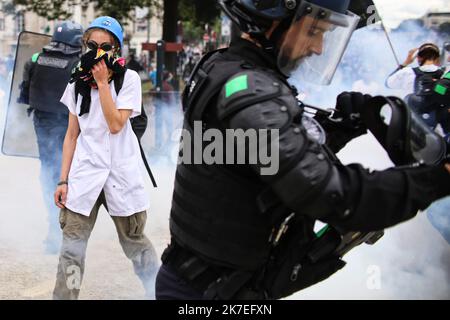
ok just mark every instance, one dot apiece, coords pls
pixel 411 261
pixel 393 12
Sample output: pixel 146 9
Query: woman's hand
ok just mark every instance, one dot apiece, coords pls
pixel 100 72
pixel 61 196
pixel 411 57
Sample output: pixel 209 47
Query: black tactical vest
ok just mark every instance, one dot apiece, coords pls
pixel 216 209
pixel 50 76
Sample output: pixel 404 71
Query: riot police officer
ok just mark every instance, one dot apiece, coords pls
pixel 236 233
pixel 45 78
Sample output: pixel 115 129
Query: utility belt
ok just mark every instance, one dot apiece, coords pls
pixel 297 261
pixel 215 282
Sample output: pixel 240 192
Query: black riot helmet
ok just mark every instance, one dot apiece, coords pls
pixel 67 38
pixel 68 32
pixel 309 38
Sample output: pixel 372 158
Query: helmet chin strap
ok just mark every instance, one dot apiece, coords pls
pixel 270 44
pixel 280 29
pixel 267 44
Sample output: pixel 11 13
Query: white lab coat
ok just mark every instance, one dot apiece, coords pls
pixel 105 161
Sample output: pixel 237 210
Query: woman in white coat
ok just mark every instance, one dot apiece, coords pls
pixel 101 161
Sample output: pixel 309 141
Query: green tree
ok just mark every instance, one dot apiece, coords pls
pixel 195 14
pixel 122 10
pixel 170 23
pixel 199 12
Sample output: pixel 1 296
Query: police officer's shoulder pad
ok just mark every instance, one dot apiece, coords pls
pixel 245 89
pixel 35 57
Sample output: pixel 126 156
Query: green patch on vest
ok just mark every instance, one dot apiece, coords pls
pixel 35 57
pixel 236 85
pixel 440 89
pixel 447 75
pixel 322 231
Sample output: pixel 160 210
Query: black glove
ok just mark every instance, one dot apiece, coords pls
pixel 348 110
pixel 345 124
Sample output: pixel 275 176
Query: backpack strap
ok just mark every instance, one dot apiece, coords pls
pixel 147 166
pixel 440 72
pixel 417 71
pixel 118 84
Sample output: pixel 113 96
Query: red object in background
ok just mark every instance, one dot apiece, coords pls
pixel 170 47
pixel 206 37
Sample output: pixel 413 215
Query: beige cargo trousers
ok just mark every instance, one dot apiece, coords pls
pixel 76 232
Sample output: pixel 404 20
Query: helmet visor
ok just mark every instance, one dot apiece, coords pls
pixel 313 46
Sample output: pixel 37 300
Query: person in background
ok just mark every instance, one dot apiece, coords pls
pixel 101 162
pixel 152 74
pixel 133 64
pixel 419 81
pixel 45 78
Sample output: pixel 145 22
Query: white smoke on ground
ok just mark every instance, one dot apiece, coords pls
pixel 26 272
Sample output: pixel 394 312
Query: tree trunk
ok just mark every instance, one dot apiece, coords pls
pixel 170 32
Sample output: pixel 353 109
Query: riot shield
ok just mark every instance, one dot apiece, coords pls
pixel 19 138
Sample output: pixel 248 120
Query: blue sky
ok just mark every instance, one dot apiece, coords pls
pixel 394 11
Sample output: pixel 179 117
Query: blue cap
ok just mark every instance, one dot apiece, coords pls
pixel 109 24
